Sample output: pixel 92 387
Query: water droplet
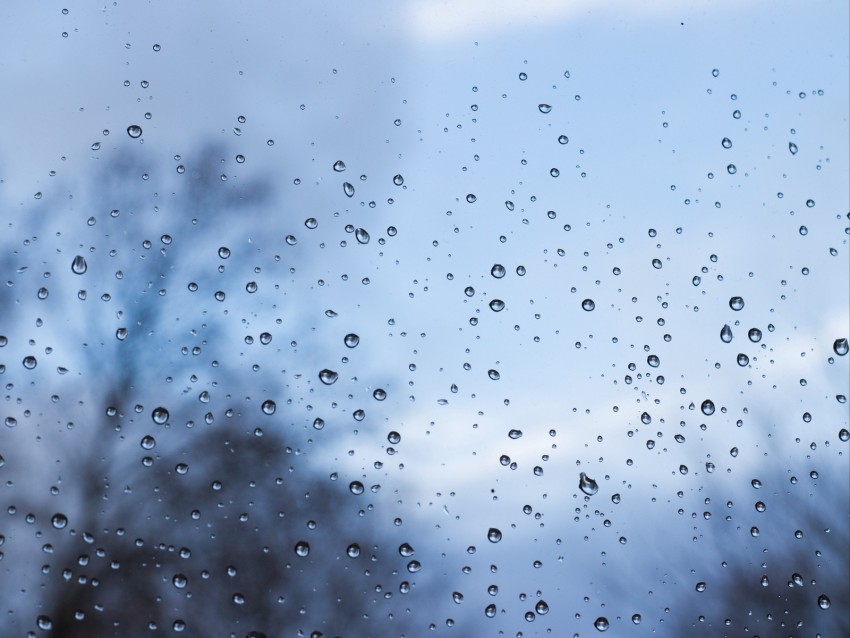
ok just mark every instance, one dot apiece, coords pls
pixel 797 579
pixel 754 334
pixel 726 142
pixel 653 361
pixel 59 520
pixel 601 623
pixel 700 587
pixel 311 223
pixel 179 581
pixel 269 407
pixel 398 180
pixel 792 147
pixel 79 266
pixel 840 347
pixel 44 623
pixel 457 597
pixel 823 601
pixel 515 434
pixel 726 333
pixel 29 362
pixel 498 271
pixel 707 407
pixel 291 240
pixel 414 566
pixel 251 287
pixel 636 619
pixel 356 487
pixel 588 305
pixel 844 434
pixel 743 360
pixel 490 611
pixel 134 131
pixel 731 169
pixel 760 506
pixel 471 198
pixel 394 437
pixel 544 108
pixel 348 189
pixel 541 607
pixel 736 303
pixel 362 236
pixel 353 550
pixel 469 291
pixel 563 139
pixel 379 394
pixel 587 484
pixel 339 166
pixel 494 375
pixel 148 442
pixel 351 340
pixel 494 535
pixel 328 377
pixel 302 549
pixel 497 305
pixel 159 415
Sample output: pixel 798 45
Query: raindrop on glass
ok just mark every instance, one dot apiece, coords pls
pixel 78 266
pixel 328 377
pixel 268 407
pixel 588 305
pixel 736 303
pixel 587 484
pixel 159 415
pixel 707 407
pixel 726 333
pixel 494 535
pixel 544 108
pixel 134 131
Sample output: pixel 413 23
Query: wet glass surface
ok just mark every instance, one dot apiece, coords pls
pixel 412 319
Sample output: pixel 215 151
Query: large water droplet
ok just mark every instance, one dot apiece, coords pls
pixel 541 607
pixel 398 180
pixel 353 550
pixel 159 415
pixel 726 333
pixel 497 305
pixel 356 487
pixel 348 189
pixel 824 602
pixel 79 266
pixel 494 535
pixel 362 236
pixel 302 549
pixel 134 131
pixel 59 520
pixel 544 108
pixel 754 334
pixel 840 347
pixel 351 340
pixel 328 377
pixel 792 147
pixel 707 407
pixel 339 166
pixel 588 305
pixel 498 271
pixel 494 375
pixel 29 362
pixel 268 407
pixel 379 394
pixel 743 360
pixel 148 442
pixel 457 597
pixel 736 303
pixel 587 484
pixel 490 611
pixel 601 623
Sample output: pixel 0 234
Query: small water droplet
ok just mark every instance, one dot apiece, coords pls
pixel 148 442
pixel 700 587
pixel 379 394
pixel 398 180
pixel 30 362
pixel 743 360
pixel 471 198
pixel 563 139
pixel 494 375
pixel 353 550
pixel 754 335
pixel 490 611
pixel 726 142
pixel 792 147
pixel 362 236
pixel 351 340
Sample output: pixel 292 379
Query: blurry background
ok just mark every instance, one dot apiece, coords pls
pixel 314 317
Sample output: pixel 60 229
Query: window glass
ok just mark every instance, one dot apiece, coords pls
pixel 400 319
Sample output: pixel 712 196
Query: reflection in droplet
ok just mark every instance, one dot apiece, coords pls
pixel 159 415
pixel 348 189
pixel 362 236
pixel 601 623
pixel 587 484
pixel 588 305
pixel 78 266
pixel 726 333
pixel 268 407
pixel 498 271
pixel 497 305
pixel 134 131
pixel 59 520
pixel 494 535
pixel 328 377
pixel 840 347
pixel 356 487
pixel 302 549
pixel 824 602
pixel 707 407
pixel 339 166
pixel 351 340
